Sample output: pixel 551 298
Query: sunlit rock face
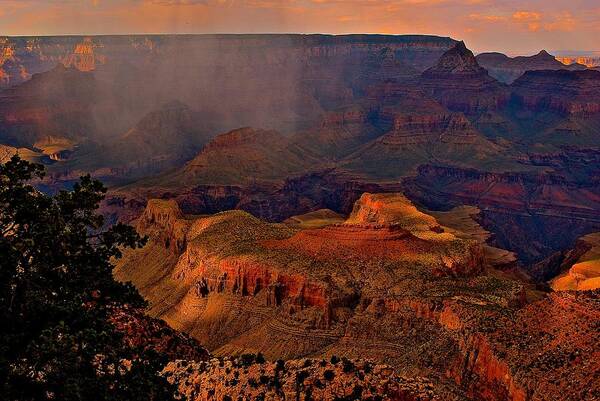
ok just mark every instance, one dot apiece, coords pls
pixel 588 61
pixel 581 270
pixel 387 281
pixel 84 57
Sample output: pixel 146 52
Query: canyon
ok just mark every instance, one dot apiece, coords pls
pixel 389 284
pixel 429 215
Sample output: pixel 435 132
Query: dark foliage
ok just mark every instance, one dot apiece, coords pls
pixel 56 294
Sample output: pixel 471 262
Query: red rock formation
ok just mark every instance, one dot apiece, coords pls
pixel 418 129
pixel 164 219
pixel 83 57
pixel 580 267
pixel 566 92
pixel 240 156
pixel 211 259
pixel 461 84
pixel 588 61
pixel 545 351
pixel 373 286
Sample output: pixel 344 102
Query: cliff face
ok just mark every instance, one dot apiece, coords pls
pixel 281 81
pixel 83 57
pixel 22 57
pixel 588 61
pixel 544 351
pixel 565 92
pixel 412 137
pixel 447 128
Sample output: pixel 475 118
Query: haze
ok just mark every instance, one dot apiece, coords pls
pixel 514 27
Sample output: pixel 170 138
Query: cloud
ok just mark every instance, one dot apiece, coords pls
pixel 564 22
pixel 487 18
pixel 531 19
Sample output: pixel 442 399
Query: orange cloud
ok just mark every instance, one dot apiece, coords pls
pixel 564 22
pixel 530 18
pixel 487 18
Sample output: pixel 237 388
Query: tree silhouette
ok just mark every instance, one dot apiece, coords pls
pixel 57 291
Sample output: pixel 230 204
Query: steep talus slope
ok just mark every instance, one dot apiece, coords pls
pixel 339 133
pixel 549 349
pixel 462 222
pixel 316 219
pixel 141 331
pixel 508 69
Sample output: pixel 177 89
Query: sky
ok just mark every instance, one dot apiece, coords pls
pixel 511 26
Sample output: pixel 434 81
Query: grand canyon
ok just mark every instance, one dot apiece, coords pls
pixel 333 217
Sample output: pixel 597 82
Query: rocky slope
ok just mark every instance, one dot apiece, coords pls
pixel 242 156
pixel 284 82
pixel 418 137
pixel 142 332
pixel 508 69
pixel 304 379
